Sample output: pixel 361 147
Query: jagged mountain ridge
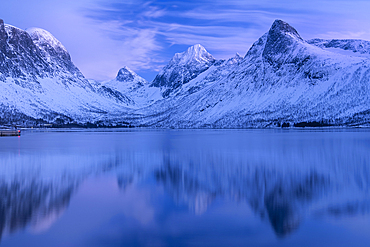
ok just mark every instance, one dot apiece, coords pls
pixel 282 79
pixel 355 47
pixel 28 55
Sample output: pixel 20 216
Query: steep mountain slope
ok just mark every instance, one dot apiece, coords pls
pixel 53 51
pixel 40 84
pixel 182 68
pixel 282 79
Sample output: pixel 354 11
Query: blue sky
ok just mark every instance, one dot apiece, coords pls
pixel 103 36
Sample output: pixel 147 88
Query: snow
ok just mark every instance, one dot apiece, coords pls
pixel 242 94
pixel 182 68
pixel 135 87
pixel 282 78
pixel 41 36
pixel 195 52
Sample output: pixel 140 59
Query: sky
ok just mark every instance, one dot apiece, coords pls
pixel 104 36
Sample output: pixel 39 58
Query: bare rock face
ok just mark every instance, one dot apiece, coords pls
pixel 26 56
pixel 19 56
pixel 281 40
pixel 3 35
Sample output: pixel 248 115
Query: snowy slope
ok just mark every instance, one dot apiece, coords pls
pixel 182 68
pixel 134 87
pixel 350 47
pixel 282 79
pixel 126 80
pixel 40 84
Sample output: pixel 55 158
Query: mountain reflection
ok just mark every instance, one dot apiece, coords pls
pixel 285 197
pixel 185 188
pixel 24 202
pixel 282 197
pixel 284 185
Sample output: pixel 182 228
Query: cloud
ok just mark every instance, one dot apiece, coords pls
pixel 154 12
pixel 119 45
pixel 222 42
pixel 103 36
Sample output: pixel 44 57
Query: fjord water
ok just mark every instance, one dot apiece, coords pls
pixel 186 188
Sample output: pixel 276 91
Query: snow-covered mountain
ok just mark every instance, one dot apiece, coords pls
pixel 282 80
pixel 182 68
pixel 134 87
pixel 126 80
pixel 351 47
pixel 40 84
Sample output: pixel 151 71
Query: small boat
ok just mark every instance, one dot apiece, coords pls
pixel 10 132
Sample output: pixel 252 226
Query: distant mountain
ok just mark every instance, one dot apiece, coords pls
pixel 126 80
pixel 282 80
pixel 135 90
pixel 182 68
pixel 353 46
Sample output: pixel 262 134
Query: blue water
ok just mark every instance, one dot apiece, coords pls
pixel 186 188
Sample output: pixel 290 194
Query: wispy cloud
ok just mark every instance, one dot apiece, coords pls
pixel 125 46
pixel 223 27
pixel 103 36
pixel 154 12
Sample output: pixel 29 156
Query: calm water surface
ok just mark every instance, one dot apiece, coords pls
pixel 185 188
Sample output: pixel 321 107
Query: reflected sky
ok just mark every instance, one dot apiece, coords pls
pixel 187 187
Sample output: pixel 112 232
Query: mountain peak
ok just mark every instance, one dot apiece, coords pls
pixel 234 60
pixel 126 82
pixel 41 36
pixel 125 74
pixel 47 42
pixel 280 27
pixel 182 68
pixel 196 49
pixel 196 52
pixel 281 39
pixel 237 56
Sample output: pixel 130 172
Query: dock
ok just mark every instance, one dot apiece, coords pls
pixel 10 133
